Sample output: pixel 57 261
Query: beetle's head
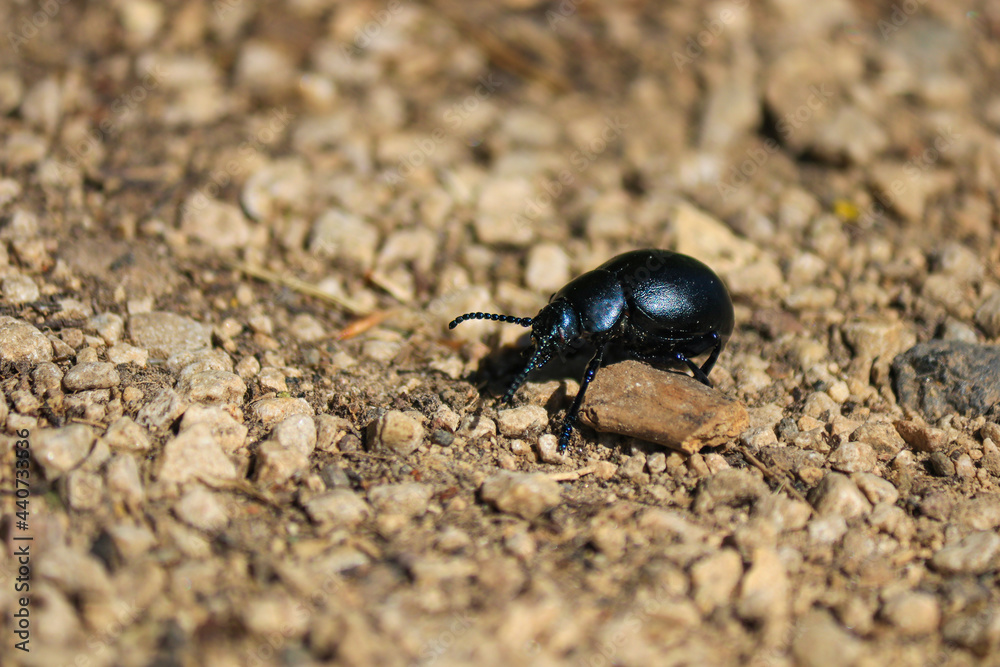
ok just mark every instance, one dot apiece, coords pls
pixel 555 328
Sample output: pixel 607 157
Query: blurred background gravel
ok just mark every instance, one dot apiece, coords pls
pixel 233 234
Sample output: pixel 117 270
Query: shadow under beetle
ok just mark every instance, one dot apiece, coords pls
pixel 657 306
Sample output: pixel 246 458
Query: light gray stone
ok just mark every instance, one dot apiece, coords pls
pixel 407 498
pixel 22 343
pixel 340 507
pixel 60 450
pixel 397 432
pixel 96 375
pixel 165 334
pixel 525 494
pixel 195 455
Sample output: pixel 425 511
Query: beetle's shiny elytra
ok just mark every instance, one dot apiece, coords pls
pixel 659 306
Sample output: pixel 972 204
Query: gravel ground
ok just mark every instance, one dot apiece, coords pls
pixel 232 235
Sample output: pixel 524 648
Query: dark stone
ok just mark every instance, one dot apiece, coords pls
pixel 940 465
pixel 787 429
pixel 790 458
pixel 334 477
pixel 943 377
pixel 442 437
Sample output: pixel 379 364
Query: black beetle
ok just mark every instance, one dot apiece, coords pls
pixel 656 305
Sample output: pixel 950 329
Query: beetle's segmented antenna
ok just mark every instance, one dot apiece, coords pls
pixel 540 357
pixel 523 321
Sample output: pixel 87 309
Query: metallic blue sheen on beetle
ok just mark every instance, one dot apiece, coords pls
pixel 657 306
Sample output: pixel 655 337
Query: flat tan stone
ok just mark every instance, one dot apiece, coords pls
pixel 635 399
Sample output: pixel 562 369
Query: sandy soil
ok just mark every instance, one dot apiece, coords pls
pixel 232 235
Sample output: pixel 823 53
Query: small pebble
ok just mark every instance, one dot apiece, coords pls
pixel 98 375
pixel 214 386
pixel 914 613
pixel 228 433
pixel 937 505
pixel 272 410
pixel 837 494
pixel 131 541
pixel 731 488
pixel 276 463
pixel 940 465
pixel 61 450
pixel 19 289
pixel 875 488
pixel 396 432
pixel 656 463
pixel 632 469
pixel 201 509
pixel 84 490
pixel 548 449
pixel 329 431
pixel 109 326
pixel 882 436
pixel 124 482
pixel 215 223
pixel 195 454
pixel 166 334
pixel 47 378
pixel 525 494
pixel 475 427
pixel 271 379
pixel 605 470
pixel 890 519
pixel 921 437
pixel 123 353
pixel 409 499
pixel 547 269
pixel 819 641
pixel 974 554
pixel 987 315
pixel 339 507
pixel 714 579
pixel 21 343
pixel 853 457
pixel 522 422
pixel 296 432
pixel 125 434
pixel 306 328
pixel 162 410
pixel 764 590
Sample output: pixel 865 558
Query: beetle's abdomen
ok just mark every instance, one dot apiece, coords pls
pixel 672 295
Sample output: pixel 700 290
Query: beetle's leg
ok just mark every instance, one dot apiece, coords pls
pixel 679 357
pixel 574 410
pixel 699 373
pixel 709 364
pixel 538 359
